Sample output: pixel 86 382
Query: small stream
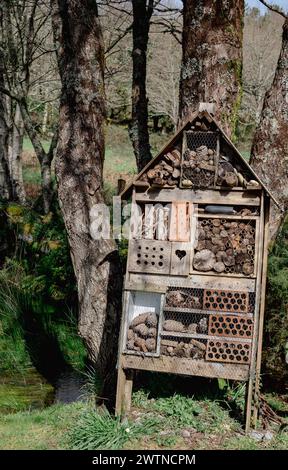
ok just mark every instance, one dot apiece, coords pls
pixel 30 391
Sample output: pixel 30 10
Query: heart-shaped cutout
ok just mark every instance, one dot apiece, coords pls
pixel 180 253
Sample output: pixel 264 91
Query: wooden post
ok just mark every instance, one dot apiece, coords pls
pixel 124 391
pixel 262 312
pixel 251 382
pixel 121 184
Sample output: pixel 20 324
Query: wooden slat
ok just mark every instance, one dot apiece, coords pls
pixel 247 198
pixel 262 310
pixel 197 281
pixel 200 215
pixel 249 397
pixel 176 365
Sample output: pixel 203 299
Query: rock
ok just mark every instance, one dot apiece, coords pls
pixel 186 434
pixel 268 436
pixel 257 435
pixel 204 260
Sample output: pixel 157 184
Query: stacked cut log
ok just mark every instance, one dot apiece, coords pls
pixel 193 349
pixel 198 167
pixel 142 333
pixel 166 172
pixel 225 246
pixel 231 176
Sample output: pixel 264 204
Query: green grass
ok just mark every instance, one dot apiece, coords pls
pixel 39 430
pixel 152 424
pixel 24 391
pixel 119 156
pixel 28 147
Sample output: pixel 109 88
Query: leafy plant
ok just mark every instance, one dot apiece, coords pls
pixel 276 317
pixel 99 430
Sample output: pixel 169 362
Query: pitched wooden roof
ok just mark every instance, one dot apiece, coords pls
pixel 128 190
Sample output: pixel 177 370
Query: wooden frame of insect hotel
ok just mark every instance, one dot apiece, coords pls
pixel 194 290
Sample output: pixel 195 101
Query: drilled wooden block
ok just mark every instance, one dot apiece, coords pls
pixel 149 256
pixel 229 325
pixel 226 301
pixel 228 351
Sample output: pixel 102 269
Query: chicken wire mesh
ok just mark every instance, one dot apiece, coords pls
pixel 193 323
pixel 199 159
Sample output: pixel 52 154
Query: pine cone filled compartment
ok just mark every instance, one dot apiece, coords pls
pixel 143 314
pixel 225 246
pixel 199 159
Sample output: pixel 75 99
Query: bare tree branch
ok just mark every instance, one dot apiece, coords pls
pixel 273 8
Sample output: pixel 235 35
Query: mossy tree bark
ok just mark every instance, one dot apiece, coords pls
pixel 5 181
pixel 269 156
pixel 138 130
pixel 211 69
pixel 79 171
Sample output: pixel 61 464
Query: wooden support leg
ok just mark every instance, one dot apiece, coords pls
pixel 256 399
pixel 250 402
pixel 124 391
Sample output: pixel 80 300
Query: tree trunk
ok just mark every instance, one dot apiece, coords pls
pixel 269 155
pixel 15 157
pixel 79 171
pixel 5 181
pixel 211 69
pixel 138 130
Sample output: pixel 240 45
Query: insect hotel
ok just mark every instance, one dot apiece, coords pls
pixel 196 271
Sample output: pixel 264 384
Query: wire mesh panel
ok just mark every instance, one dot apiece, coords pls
pixel 184 347
pixel 225 246
pixel 228 351
pixel 199 159
pixel 183 297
